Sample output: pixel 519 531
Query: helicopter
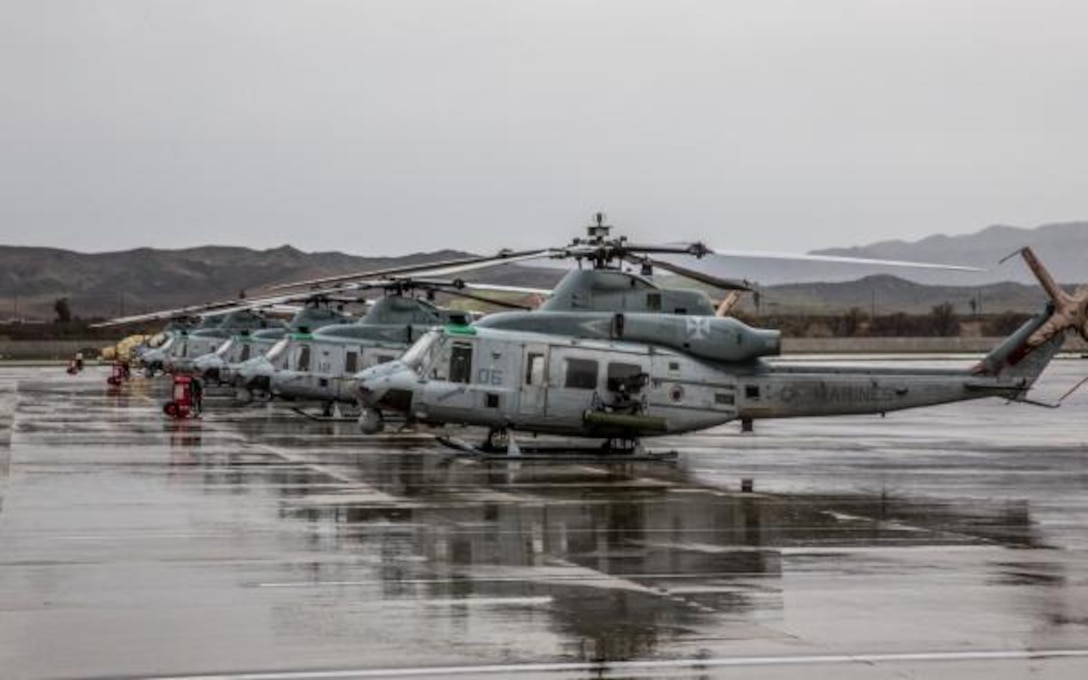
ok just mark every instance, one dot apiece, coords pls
pixel 224 349
pixel 212 323
pixel 319 365
pixel 222 364
pixel 190 332
pixel 212 332
pixel 627 374
pixel 152 355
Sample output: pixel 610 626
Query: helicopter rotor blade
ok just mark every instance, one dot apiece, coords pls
pixel 452 287
pixel 281 306
pixel 191 311
pixel 409 283
pixel 694 275
pixel 492 262
pixel 224 307
pixel 438 268
pixel 841 259
pixel 483 298
pixel 460 284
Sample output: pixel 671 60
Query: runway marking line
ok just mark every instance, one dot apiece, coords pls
pixel 663 664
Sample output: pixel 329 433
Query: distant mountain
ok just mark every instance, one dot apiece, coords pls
pixel 1062 247
pixel 887 294
pixel 104 284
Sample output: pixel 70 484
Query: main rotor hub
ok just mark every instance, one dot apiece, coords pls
pixel 598 232
pixel 598 247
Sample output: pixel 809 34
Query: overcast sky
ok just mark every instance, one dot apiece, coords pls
pixel 387 127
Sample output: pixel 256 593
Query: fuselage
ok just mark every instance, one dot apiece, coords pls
pixel 322 365
pixel 599 388
pixel 188 346
pixel 223 363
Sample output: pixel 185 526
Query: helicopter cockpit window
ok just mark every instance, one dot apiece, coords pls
pixel 277 350
pixel 461 362
pixel 303 363
pixel 581 374
pixel 419 354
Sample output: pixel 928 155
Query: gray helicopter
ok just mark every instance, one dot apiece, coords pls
pixel 222 365
pixel 213 331
pixel 204 332
pixel 151 356
pixel 191 332
pixel 320 366
pixel 311 362
pixel 624 375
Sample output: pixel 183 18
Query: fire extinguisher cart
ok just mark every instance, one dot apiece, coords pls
pixel 185 399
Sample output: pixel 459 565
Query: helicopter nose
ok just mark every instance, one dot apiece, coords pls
pixel 365 395
pixel 372 383
pixel 256 369
pixel 366 389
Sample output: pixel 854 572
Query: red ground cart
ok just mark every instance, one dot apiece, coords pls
pixel 186 399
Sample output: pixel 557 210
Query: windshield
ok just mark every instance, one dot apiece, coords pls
pixel 277 350
pixel 419 353
pixel 225 348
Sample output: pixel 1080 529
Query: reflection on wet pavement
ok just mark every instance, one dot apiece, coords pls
pixel 253 540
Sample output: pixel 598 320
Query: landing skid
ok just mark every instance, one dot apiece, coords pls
pixel 322 418
pixel 558 453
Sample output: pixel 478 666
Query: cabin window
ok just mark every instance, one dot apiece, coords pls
pixel 723 399
pixel 245 353
pixel 653 301
pixel 226 348
pixel 751 391
pixel 674 365
pixel 627 376
pixel 351 362
pixel 581 374
pixel 303 359
pixel 461 362
pixel 534 369
pixel 491 400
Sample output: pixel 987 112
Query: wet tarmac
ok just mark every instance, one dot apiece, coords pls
pixel 943 542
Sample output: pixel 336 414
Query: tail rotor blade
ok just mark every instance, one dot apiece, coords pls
pixel 727 303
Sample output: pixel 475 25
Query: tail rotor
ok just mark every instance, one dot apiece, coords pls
pixel 1070 310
